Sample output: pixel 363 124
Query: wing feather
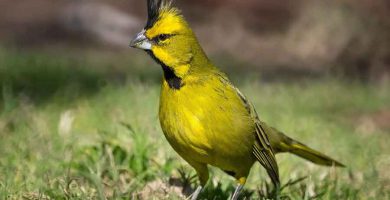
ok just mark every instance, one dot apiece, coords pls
pixel 262 149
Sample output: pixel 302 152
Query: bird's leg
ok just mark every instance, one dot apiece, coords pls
pixel 195 194
pixel 203 174
pixel 241 182
pixel 237 192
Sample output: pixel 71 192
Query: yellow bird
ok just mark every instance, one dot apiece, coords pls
pixel 204 117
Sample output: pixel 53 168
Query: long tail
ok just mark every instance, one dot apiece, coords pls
pixel 282 143
pixel 310 154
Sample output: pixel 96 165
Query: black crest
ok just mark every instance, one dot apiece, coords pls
pixel 154 8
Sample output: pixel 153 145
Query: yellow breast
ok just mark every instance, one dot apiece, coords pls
pixel 206 121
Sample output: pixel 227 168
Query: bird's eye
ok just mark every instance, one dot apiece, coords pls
pixel 161 38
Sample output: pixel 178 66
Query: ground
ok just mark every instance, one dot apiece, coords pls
pixel 87 128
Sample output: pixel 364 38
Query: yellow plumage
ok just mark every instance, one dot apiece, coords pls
pixel 203 116
pixel 205 131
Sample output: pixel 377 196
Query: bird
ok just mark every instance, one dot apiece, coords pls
pixel 203 116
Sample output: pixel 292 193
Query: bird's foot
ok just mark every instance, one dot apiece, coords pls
pixel 195 195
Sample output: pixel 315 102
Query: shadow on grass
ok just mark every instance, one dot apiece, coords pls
pixel 39 76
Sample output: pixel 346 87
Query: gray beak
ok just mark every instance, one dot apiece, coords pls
pixel 141 42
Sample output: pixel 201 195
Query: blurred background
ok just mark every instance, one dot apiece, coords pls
pixel 79 108
pixel 349 38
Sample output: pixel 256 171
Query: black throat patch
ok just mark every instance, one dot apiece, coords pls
pixel 173 81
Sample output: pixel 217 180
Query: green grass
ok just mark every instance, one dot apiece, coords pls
pixel 70 131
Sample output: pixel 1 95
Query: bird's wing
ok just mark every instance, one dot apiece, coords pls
pixel 262 149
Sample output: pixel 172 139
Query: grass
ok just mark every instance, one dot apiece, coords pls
pixel 70 131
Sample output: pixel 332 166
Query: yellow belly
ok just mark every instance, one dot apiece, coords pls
pixel 208 125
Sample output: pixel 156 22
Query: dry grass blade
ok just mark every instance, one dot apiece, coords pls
pixel 293 182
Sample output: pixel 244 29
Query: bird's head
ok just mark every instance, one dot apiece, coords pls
pixel 168 38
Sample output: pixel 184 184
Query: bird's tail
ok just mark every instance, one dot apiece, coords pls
pixel 303 151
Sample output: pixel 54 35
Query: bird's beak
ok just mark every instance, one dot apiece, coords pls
pixel 141 41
